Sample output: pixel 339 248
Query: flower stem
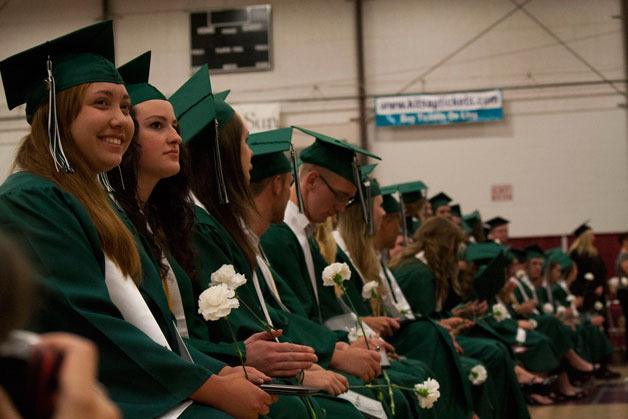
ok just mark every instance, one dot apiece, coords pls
pixel 344 292
pixel 235 343
pixel 390 392
pixel 264 324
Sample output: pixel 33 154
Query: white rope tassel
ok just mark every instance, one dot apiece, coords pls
pixel 222 187
pixel 54 136
pixel 295 176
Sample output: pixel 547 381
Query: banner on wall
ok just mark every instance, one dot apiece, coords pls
pixel 444 109
pixel 259 116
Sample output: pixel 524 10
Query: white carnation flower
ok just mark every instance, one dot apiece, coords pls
pixel 402 308
pixel 216 302
pixel 624 281
pixel 571 298
pixel 355 333
pixel 589 276
pixel 478 375
pixel 336 274
pixel 427 393
pixel 598 306
pixel 560 311
pixel 520 274
pixel 500 312
pixel 369 289
pixel 228 276
pixel 548 308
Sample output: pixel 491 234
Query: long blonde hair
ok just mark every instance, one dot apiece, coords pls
pixel 583 244
pixel 34 156
pixel 325 240
pixel 439 238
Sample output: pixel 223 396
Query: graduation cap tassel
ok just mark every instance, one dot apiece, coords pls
pixel 222 187
pixel 104 180
pixel 369 206
pixel 121 178
pixel 54 136
pixel 295 176
pixel 356 176
pixel 404 225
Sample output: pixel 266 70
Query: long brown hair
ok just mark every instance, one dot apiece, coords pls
pixel 241 204
pixel 34 156
pixel 439 238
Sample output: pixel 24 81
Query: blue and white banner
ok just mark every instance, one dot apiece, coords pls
pixel 451 108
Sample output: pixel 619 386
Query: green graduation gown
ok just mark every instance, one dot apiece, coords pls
pixel 419 287
pixel 57 233
pixel 286 256
pixel 215 247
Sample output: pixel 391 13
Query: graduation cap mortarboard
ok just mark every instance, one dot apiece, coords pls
pixel 269 149
pixel 135 74
pixel 489 279
pixel 193 104
pixel 439 200
pixel 333 154
pixel 456 211
pixel 534 252
pixel 518 254
pixel 36 75
pixel 482 252
pixel 412 191
pixel 390 204
pixel 496 222
pixel 472 218
pixel 582 228
pixel 224 111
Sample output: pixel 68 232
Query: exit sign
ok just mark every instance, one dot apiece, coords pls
pixel 501 193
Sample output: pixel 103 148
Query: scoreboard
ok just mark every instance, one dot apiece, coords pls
pixel 232 40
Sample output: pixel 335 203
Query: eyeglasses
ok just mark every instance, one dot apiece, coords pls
pixel 340 197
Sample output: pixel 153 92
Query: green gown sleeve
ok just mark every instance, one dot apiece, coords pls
pixel 57 234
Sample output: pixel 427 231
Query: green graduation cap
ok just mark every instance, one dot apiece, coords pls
pixel 336 155
pixel 472 219
pixel 480 253
pixel 390 204
pixel 193 105
pixel 533 251
pixel 412 191
pixel 518 254
pixel 582 228
pixel 370 183
pixel 496 222
pixel 439 200
pixel 490 278
pixel 36 75
pixel 224 111
pixel 135 74
pixel 456 211
pixel 269 149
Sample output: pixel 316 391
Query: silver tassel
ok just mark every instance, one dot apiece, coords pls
pixel 104 180
pixel 222 187
pixel 121 178
pixel 295 176
pixel 54 136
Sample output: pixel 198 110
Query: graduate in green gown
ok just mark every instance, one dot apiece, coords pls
pixel 153 193
pixel 88 266
pixel 422 339
pixel 428 286
pixel 395 303
pixel 326 182
pixel 221 237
